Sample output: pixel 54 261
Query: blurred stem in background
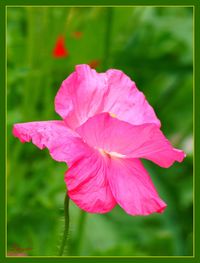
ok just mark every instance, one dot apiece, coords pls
pixel 108 36
pixel 80 232
pixel 66 227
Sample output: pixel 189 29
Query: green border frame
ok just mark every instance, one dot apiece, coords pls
pixel 196 126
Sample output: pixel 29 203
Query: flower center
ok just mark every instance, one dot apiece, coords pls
pixel 113 115
pixel 111 154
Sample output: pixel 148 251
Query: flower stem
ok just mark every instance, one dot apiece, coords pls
pixel 66 227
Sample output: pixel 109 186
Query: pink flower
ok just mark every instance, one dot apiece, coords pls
pixel 107 127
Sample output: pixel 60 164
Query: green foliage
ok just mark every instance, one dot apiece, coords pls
pixel 152 45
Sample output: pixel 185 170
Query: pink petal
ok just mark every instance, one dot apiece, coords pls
pixel 126 101
pixel 132 187
pixel 85 93
pixel 80 96
pixel 135 141
pixel 64 145
pixel 88 186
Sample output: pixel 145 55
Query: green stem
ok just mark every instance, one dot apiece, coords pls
pixel 66 229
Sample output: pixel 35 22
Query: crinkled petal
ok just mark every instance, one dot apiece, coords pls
pixel 136 141
pixel 132 187
pixel 80 96
pixel 88 186
pixel 125 101
pixel 86 93
pixel 64 144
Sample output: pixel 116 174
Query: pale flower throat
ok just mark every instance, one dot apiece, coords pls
pixel 111 154
pixel 113 115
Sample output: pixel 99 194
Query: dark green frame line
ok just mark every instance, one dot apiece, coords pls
pixel 197 125
pixel 3 131
pixel 101 2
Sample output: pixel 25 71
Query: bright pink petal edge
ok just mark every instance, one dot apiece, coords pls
pixel 64 145
pixel 86 93
pixel 133 141
pixel 132 187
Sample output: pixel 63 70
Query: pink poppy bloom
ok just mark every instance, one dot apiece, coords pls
pixel 60 50
pixel 107 127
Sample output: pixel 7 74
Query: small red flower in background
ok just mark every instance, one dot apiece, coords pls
pixel 59 50
pixel 77 34
pixel 94 63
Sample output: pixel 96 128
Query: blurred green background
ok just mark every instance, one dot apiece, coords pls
pixel 154 46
